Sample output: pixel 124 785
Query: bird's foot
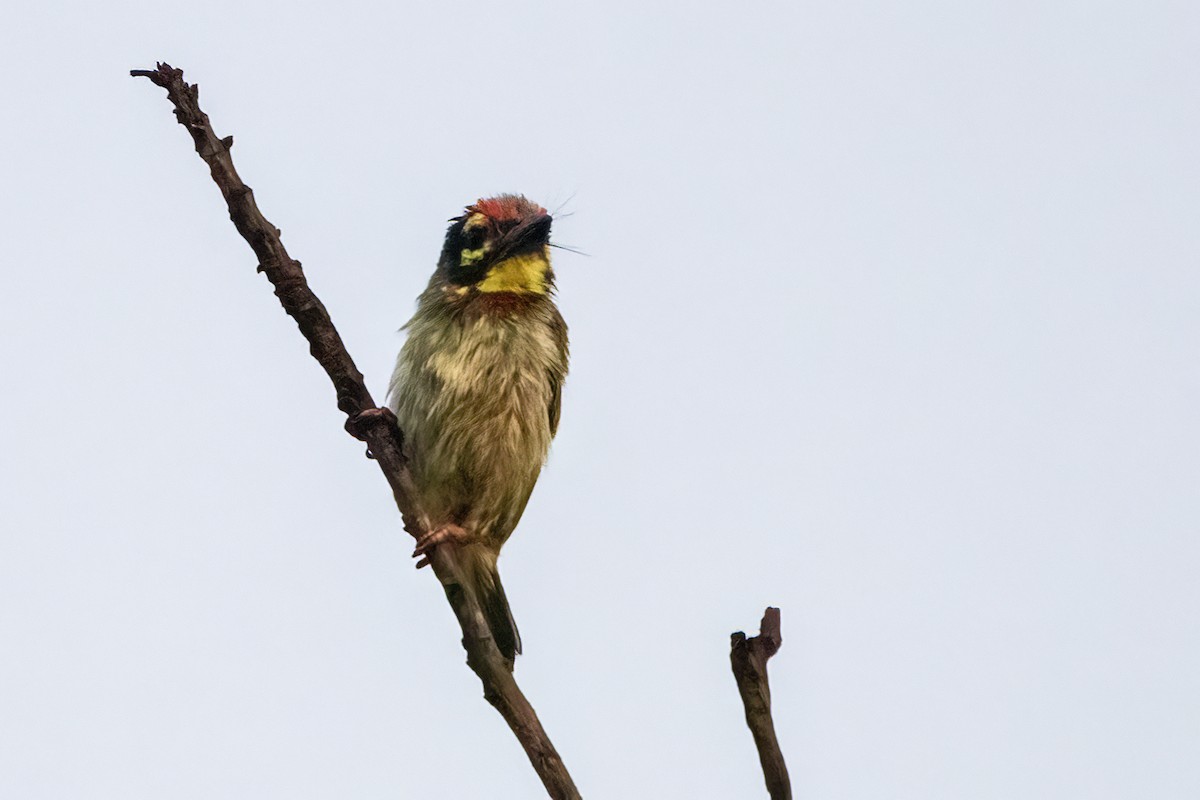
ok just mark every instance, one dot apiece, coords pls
pixel 358 424
pixel 443 533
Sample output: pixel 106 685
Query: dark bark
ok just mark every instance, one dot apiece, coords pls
pixel 379 431
pixel 749 659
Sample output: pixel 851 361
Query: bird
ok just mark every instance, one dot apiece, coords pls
pixel 477 390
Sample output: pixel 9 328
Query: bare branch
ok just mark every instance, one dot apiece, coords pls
pixel 749 659
pixel 383 437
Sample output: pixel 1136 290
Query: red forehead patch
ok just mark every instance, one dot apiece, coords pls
pixel 506 207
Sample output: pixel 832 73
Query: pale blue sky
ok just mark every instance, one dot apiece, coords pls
pixel 891 318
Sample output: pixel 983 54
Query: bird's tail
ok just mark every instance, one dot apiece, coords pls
pixel 479 562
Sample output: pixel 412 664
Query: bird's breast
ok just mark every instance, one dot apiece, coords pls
pixel 473 399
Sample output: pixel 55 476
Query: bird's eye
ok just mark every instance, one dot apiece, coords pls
pixel 474 238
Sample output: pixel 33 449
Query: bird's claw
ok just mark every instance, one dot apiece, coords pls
pixel 357 424
pixel 443 533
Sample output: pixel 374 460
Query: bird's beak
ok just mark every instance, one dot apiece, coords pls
pixel 539 228
pixel 531 233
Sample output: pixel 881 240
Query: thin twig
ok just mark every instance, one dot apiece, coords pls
pixel 749 659
pixel 384 440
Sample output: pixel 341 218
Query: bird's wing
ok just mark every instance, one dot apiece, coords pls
pixel 557 371
pixel 555 401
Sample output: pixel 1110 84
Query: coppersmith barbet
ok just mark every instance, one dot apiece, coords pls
pixel 477 389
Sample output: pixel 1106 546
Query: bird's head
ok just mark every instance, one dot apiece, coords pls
pixel 501 244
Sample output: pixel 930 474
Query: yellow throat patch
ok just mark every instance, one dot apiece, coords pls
pixel 523 274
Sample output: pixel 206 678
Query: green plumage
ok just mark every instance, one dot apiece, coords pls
pixel 476 391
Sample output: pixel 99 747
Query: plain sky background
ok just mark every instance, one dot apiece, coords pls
pixel 890 317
